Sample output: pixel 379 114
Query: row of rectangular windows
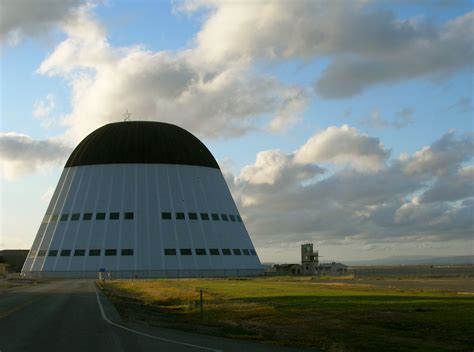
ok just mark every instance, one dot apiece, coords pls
pixel 82 252
pixel 87 216
pixel 130 216
pixel 212 251
pixel 202 216
pixel 129 251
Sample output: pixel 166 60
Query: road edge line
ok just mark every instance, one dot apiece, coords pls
pixel 102 312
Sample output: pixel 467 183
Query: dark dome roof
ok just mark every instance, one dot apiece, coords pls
pixel 141 142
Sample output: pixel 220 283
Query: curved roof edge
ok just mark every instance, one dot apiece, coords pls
pixel 141 142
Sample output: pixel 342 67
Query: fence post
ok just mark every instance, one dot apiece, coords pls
pixel 200 301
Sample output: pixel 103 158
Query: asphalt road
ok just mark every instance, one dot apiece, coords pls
pixel 72 315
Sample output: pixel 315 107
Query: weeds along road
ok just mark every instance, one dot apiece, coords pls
pixel 72 315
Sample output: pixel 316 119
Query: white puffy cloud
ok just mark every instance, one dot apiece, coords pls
pixel 454 187
pixel 367 44
pixel 22 18
pixel 443 157
pixel 165 86
pixel 273 167
pixel 343 145
pixel 20 154
pixel 404 200
pixel 431 52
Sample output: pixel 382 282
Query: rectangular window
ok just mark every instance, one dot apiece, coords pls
pixel 224 217
pixel 127 251
pixel 79 252
pixel 41 252
pixel 179 216
pixel 226 251
pixel 64 217
pixel 185 251
pixel 245 251
pixel 170 251
pixel 114 216
pixel 192 216
pixel 54 218
pixel 252 251
pixel 128 215
pixel 213 251
pixel 232 218
pixel 237 251
pixel 65 253
pixel 166 216
pixel 75 216
pixel 204 216
pixel 100 216
pixel 94 252
pixel 200 251
pixel 110 252
pixel 87 216
pixel 239 219
pixel 215 217
pixel 53 253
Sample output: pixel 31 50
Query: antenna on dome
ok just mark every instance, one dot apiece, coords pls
pixel 126 116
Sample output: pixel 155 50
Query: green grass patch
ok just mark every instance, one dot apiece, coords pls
pixel 339 316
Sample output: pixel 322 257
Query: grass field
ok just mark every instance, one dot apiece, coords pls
pixel 330 315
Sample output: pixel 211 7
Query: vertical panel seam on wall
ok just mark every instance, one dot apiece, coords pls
pixel 94 210
pixel 155 167
pixel 136 215
pixel 51 207
pixel 80 222
pixel 80 171
pixel 166 167
pixel 189 222
pixel 53 234
pixel 146 171
pixel 199 170
pixel 121 171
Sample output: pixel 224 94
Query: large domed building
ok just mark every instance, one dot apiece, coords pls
pixel 142 199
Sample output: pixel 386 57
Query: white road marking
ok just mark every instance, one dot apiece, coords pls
pixel 142 333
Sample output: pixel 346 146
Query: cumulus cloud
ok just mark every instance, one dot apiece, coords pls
pixel 431 52
pixel 457 186
pixel 166 86
pixel 443 157
pixel 367 44
pixel 343 145
pixel 26 18
pixel 20 154
pixel 417 199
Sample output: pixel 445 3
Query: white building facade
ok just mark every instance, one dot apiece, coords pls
pixel 142 199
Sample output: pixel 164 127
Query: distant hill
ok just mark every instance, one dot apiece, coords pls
pixel 412 260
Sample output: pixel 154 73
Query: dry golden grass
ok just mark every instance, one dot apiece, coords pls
pixel 338 315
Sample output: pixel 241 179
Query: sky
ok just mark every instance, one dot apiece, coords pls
pixel 347 124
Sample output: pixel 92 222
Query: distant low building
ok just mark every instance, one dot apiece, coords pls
pixel 3 270
pixel 332 269
pixel 14 257
pixel 288 269
pixel 310 265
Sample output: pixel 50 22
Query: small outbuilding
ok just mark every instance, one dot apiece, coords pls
pixel 288 269
pixel 332 269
